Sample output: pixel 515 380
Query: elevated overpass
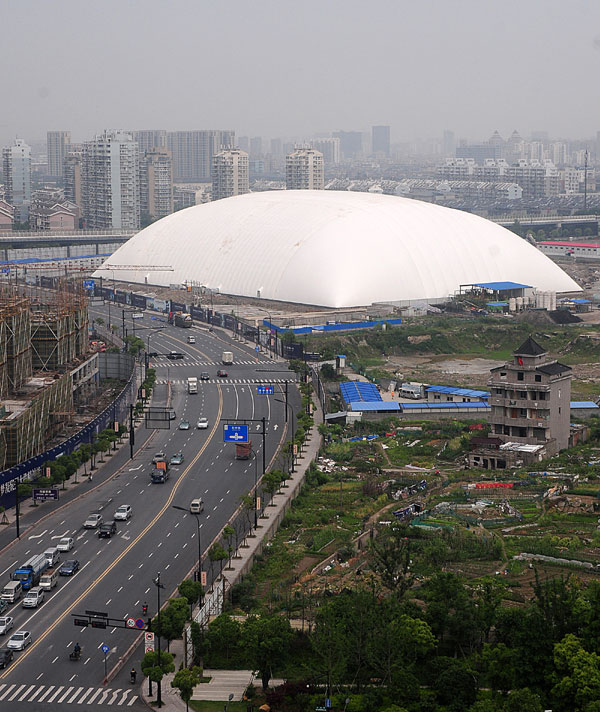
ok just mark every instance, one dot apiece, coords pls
pixel 31 238
pixel 550 222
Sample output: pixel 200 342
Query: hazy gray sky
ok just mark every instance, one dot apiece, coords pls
pixel 283 68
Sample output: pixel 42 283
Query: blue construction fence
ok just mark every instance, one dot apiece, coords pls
pixel 342 326
pixel 31 469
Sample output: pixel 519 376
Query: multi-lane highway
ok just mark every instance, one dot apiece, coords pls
pixel 116 574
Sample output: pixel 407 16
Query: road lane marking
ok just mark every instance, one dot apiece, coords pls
pixel 48 691
pixel 27 691
pixel 127 550
pixel 17 691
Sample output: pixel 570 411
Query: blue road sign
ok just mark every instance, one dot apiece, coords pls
pixel 6 270
pixel 264 390
pixel 88 283
pixel 105 648
pixel 235 434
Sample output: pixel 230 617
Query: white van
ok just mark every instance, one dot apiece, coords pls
pixel 49 579
pixel 52 555
pixel 196 506
pixel 12 591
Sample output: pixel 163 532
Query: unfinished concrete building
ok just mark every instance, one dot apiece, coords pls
pixel 44 367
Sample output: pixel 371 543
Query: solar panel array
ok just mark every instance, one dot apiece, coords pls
pixel 353 391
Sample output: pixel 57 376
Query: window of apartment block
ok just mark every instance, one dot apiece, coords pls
pixel 538 378
pixel 502 374
pixel 520 376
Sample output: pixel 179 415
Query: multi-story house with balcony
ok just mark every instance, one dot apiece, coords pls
pixel 530 399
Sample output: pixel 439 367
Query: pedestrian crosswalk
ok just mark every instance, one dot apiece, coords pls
pixel 66 695
pixel 226 381
pixel 161 361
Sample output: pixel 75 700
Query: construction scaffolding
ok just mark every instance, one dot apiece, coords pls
pixel 59 326
pixel 28 424
pixel 15 343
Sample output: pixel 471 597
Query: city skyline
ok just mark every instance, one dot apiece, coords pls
pixel 358 78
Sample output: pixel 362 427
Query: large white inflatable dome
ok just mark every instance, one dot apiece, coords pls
pixel 330 248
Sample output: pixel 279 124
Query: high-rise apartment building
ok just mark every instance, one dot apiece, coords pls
pixel 330 148
pixel 230 173
pixel 156 183
pixel 448 143
pixel 256 147
pixel 380 140
pixel 58 143
pixel 193 151
pixel 16 166
pixel 350 143
pixel 149 139
pixel 304 169
pixel 72 177
pixel 110 183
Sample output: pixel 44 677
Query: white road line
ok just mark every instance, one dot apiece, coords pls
pixel 27 691
pixel 56 694
pixel 43 697
pixel 122 700
pixel 55 659
pixel 103 698
pixel 109 600
pixel 85 694
pixel 131 701
pixel 10 567
pixel 68 692
pixel 93 697
pixel 40 675
pixel 119 589
pixel 114 697
pixel 36 693
pixel 79 689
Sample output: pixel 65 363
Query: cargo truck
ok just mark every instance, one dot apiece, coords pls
pixel 160 474
pixel 227 357
pixel 181 319
pixel 192 384
pixel 243 451
pixel 29 573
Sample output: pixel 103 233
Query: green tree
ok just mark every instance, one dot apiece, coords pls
pixel 229 533
pixel 499 665
pixel 523 700
pixel 576 676
pixel 192 591
pixel 391 559
pixel 156 668
pixel 266 641
pixel 172 620
pixel 271 482
pixel 185 680
pixel 217 553
pixel 223 635
pixel 455 683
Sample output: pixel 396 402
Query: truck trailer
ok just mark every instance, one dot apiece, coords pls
pixel 227 357
pixel 192 384
pixel 181 319
pixel 29 573
pixel 243 451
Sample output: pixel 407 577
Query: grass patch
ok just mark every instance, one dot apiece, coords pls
pixel 210 706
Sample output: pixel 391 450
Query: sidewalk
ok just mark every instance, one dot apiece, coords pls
pixel 226 682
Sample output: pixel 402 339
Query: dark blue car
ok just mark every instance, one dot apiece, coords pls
pixel 69 567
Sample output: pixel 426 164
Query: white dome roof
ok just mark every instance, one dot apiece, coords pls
pixel 333 249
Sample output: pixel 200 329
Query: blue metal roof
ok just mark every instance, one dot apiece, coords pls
pixel 359 391
pixel 500 286
pixel 382 405
pixel 497 304
pixel 445 406
pixel 451 390
pixel 584 404
pixel 580 301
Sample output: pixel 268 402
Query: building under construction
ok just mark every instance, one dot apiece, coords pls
pixel 43 365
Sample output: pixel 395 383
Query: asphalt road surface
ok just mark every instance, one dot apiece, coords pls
pixel 116 574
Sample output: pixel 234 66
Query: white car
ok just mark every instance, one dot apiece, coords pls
pixel 202 424
pixel 34 597
pixel 65 544
pixel 6 623
pixel 123 512
pixel 191 339
pixel 93 521
pixel 19 640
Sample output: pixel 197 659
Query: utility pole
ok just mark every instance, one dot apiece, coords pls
pixel 158 585
pixel 264 444
pixel 585 168
pixel 131 431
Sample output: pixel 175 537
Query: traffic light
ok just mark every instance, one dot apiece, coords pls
pixel 81 622
pixel 98 624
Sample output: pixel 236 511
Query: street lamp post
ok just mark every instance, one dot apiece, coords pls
pixel 158 585
pixel 288 405
pixel 255 488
